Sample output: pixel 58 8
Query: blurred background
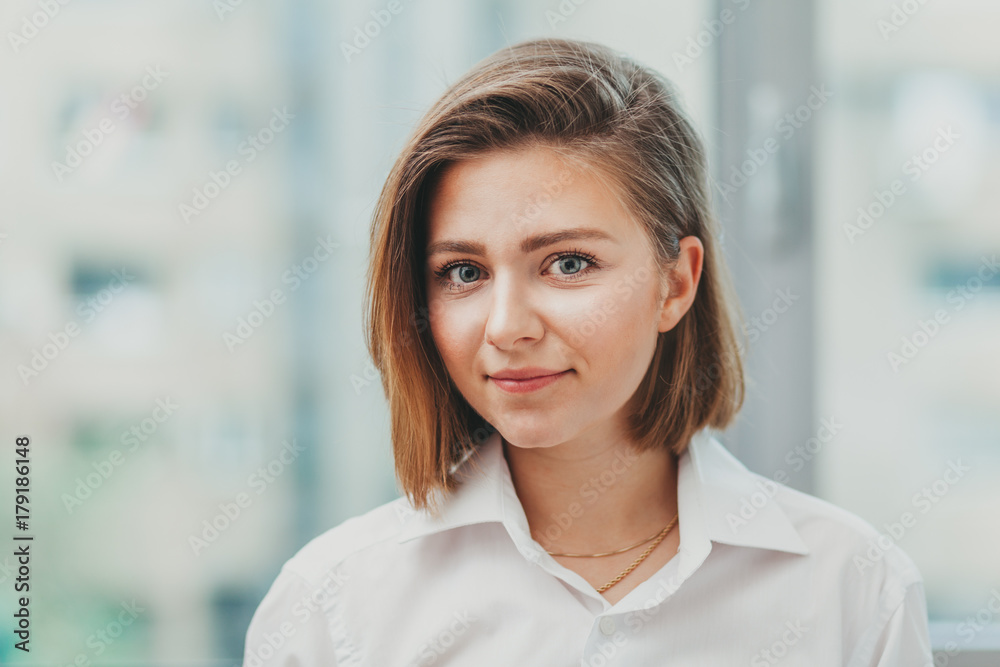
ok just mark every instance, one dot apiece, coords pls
pixel 185 198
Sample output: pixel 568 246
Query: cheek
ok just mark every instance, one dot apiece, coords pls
pixel 609 325
pixel 456 334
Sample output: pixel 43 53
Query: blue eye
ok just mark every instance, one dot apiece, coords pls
pixel 467 273
pixel 574 260
pixel 574 264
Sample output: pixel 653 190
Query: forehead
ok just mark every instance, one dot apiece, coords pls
pixel 513 194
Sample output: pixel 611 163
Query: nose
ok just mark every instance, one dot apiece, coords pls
pixel 512 317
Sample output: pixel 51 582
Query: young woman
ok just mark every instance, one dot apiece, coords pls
pixel 556 333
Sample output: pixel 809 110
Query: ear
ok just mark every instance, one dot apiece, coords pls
pixel 682 283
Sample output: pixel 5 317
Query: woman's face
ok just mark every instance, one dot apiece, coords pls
pixel 534 265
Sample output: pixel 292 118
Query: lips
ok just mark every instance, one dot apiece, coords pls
pixel 532 379
pixel 526 373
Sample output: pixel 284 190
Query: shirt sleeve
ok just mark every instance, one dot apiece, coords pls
pixel 289 629
pixel 904 640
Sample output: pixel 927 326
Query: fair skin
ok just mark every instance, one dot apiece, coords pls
pixel 589 308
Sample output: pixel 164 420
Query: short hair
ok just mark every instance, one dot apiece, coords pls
pixel 607 111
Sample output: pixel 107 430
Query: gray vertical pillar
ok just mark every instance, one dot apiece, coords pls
pixel 767 110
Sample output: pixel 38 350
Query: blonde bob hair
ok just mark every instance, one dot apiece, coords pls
pixel 616 116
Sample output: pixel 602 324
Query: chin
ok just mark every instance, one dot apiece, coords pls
pixel 521 444
pixel 528 437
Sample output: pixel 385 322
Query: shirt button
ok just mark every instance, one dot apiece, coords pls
pixel 607 625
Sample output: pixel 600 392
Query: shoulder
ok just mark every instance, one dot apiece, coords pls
pixel 842 542
pixel 353 538
pixel 292 624
pixel 749 509
pixel 865 575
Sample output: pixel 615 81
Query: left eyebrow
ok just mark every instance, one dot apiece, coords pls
pixel 530 244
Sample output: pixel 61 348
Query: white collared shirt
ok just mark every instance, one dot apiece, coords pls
pixel 765 575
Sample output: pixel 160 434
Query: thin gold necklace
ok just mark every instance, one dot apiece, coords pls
pixel 658 537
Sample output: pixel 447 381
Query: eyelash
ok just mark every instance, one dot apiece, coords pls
pixel 593 265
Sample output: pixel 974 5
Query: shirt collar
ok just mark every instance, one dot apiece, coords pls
pixel 719 500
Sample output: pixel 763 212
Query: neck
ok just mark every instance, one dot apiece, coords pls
pixel 593 496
